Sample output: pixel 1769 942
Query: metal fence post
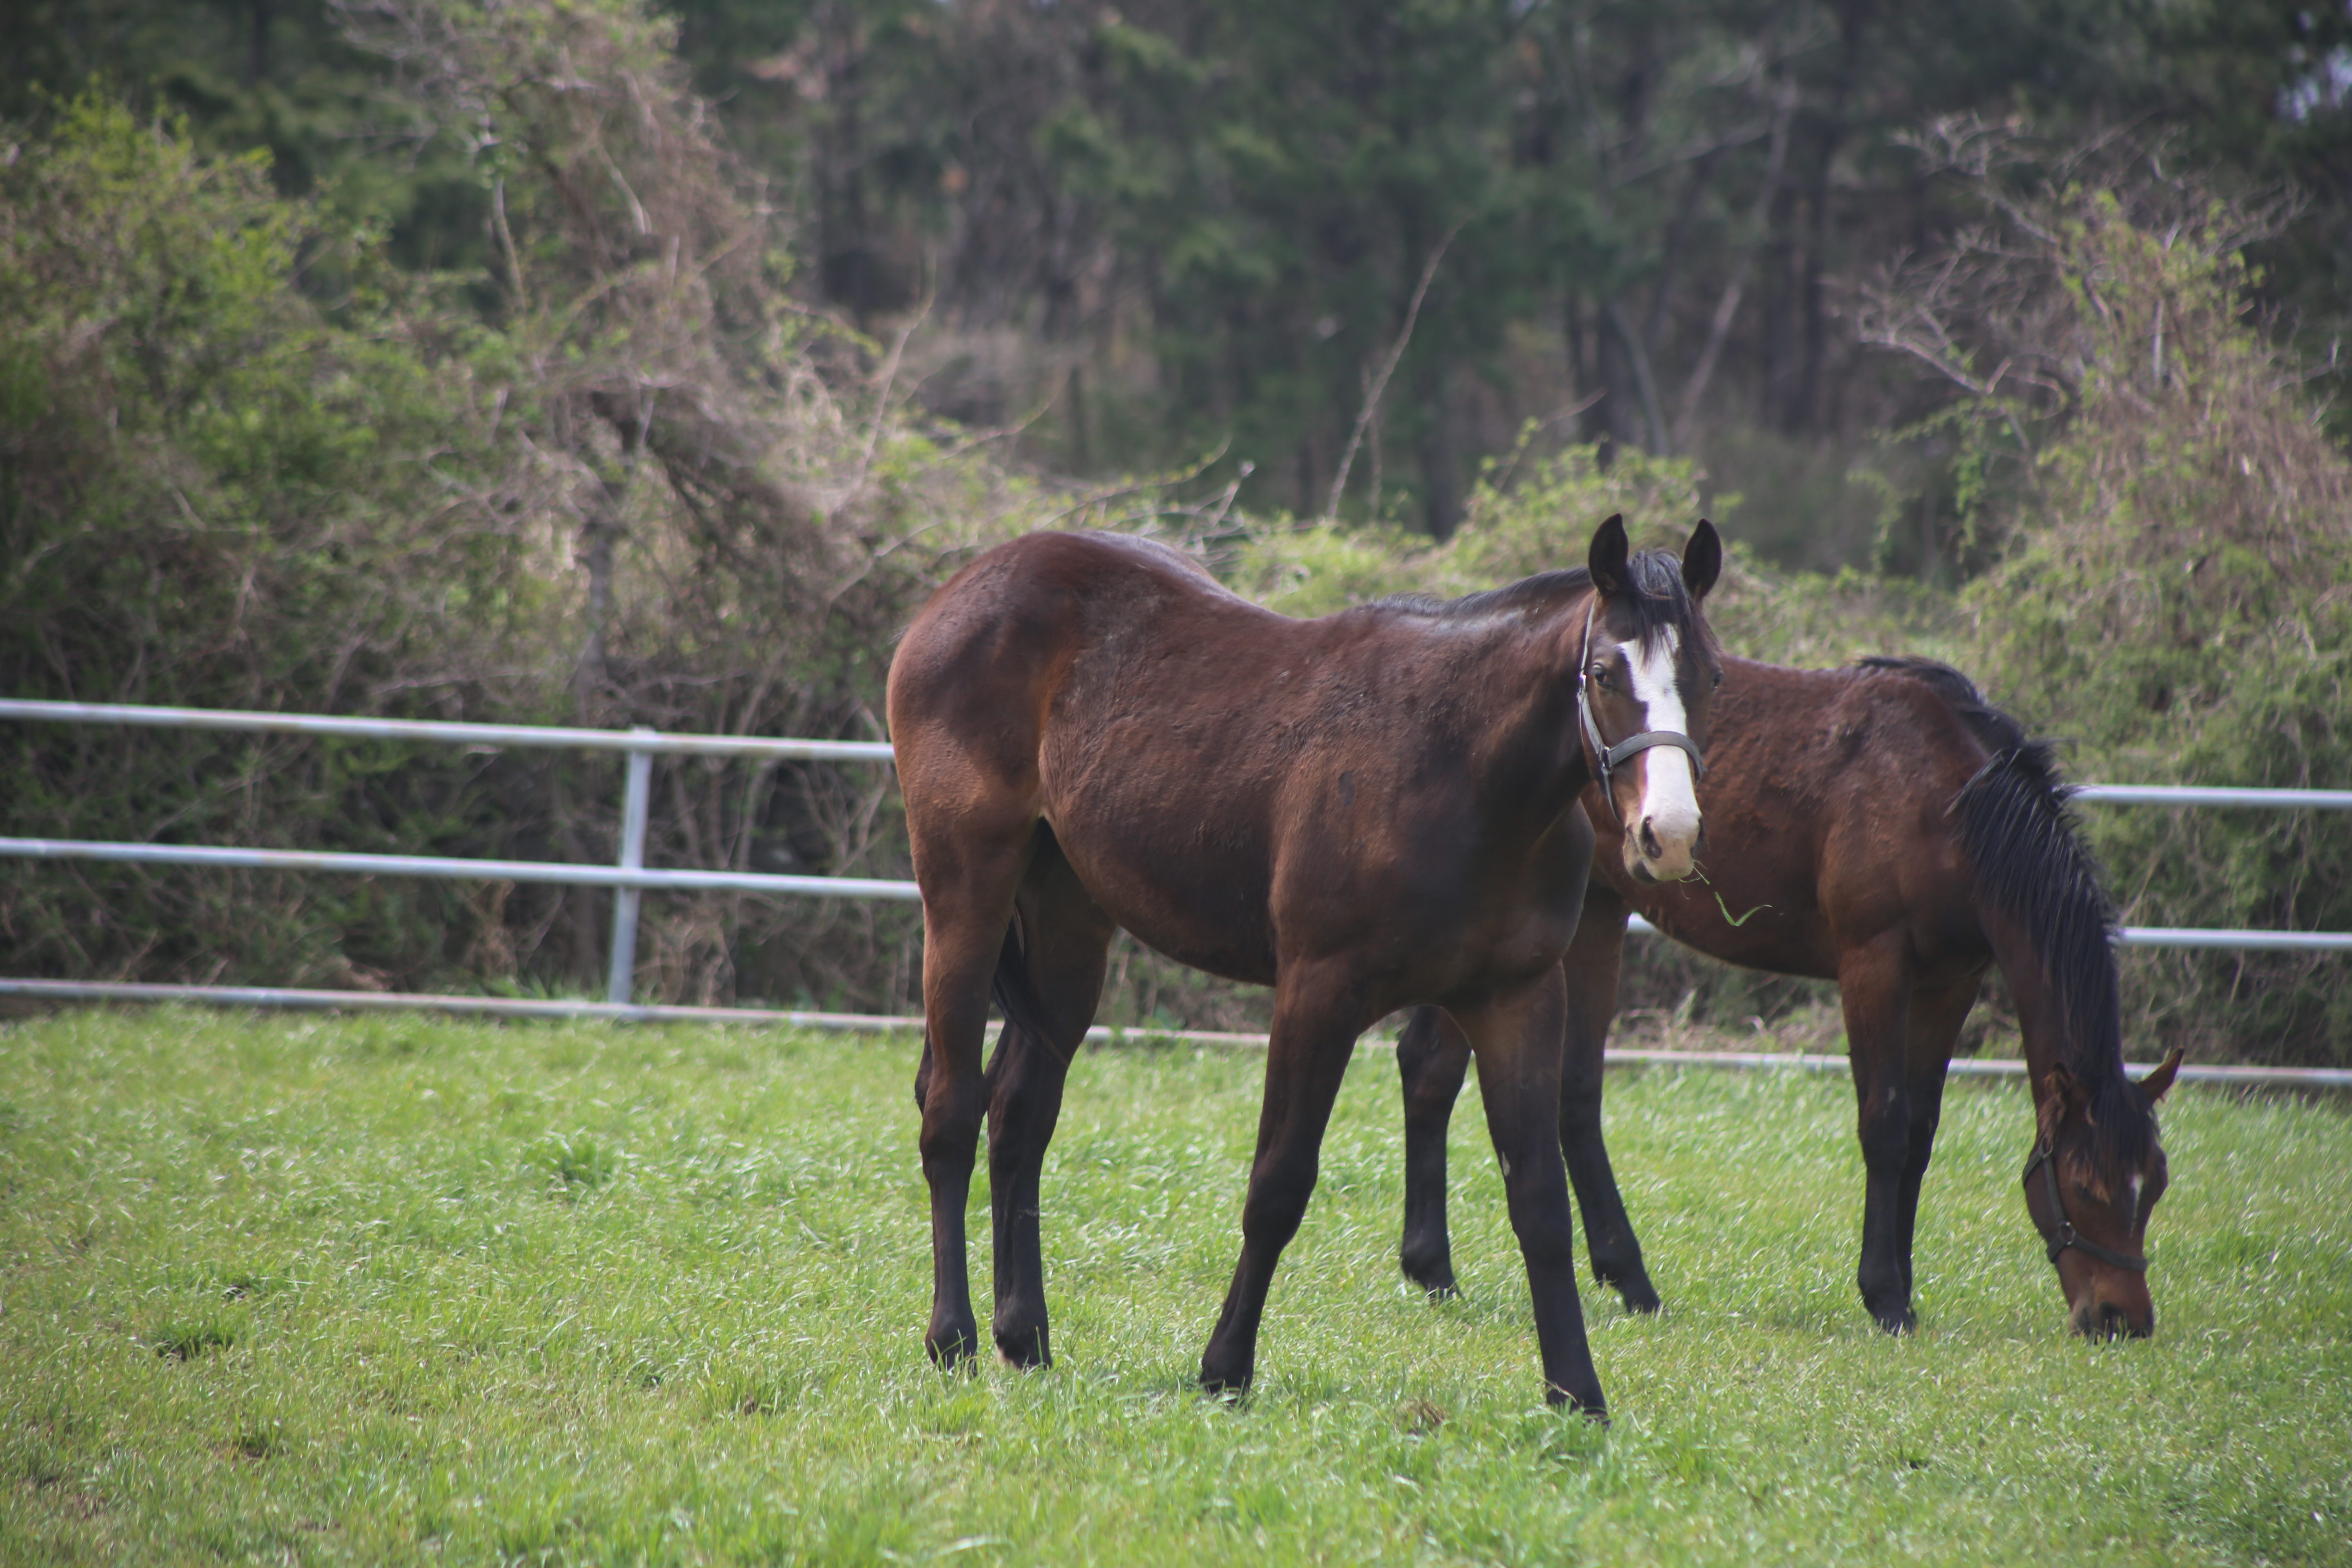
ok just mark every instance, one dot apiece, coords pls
pixel 633 811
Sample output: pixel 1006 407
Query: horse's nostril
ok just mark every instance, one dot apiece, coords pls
pixel 1650 845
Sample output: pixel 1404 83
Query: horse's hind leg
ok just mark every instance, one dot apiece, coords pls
pixel 1432 1056
pixel 1516 1039
pixel 1589 970
pixel 968 883
pixel 1050 982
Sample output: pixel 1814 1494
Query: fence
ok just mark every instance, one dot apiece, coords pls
pixel 630 878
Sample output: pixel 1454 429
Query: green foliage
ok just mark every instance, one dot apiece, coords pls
pixel 2176 599
pixel 2165 528
pixel 409 1344
pixel 214 493
pixel 1529 513
pixel 269 76
pixel 217 492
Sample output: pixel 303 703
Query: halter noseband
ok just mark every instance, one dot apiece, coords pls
pixel 2063 1235
pixel 1609 758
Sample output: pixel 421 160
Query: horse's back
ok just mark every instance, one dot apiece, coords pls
pixel 1897 745
pixel 979 664
pixel 1835 785
pixel 1021 601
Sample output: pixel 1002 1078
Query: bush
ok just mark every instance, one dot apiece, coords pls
pixel 637 491
pixel 617 477
pixel 2177 600
pixel 213 493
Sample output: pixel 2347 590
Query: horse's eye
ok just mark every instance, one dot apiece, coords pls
pixel 1601 676
pixel 1719 677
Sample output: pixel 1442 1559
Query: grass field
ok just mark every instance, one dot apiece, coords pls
pixel 391 1289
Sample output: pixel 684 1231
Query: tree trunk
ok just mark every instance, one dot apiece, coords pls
pixel 1804 409
pixel 1619 407
pixel 1441 465
pixel 1776 369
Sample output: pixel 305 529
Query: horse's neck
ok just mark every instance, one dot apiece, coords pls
pixel 2045 1031
pixel 1530 757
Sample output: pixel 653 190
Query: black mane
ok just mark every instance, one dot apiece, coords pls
pixel 2032 866
pixel 1994 729
pixel 1655 598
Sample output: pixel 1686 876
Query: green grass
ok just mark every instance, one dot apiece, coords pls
pixel 388 1289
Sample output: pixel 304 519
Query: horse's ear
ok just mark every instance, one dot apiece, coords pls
pixel 2157 1083
pixel 1702 560
pixel 2061 1095
pixel 1607 560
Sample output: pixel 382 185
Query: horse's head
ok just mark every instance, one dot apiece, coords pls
pixel 1648 674
pixel 2089 1195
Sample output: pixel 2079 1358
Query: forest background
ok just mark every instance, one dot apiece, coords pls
pixel 591 361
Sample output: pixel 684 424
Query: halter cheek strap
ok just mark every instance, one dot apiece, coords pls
pixel 1608 759
pixel 2059 1237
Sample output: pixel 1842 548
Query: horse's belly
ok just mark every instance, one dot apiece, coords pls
pixel 1200 902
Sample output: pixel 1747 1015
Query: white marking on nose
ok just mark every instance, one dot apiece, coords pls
pixel 1669 793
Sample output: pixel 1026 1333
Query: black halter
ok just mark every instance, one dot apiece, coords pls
pixel 1609 758
pixel 2063 1235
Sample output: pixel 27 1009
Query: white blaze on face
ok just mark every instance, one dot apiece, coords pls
pixel 1669 791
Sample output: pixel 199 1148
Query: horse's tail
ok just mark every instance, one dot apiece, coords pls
pixel 2052 925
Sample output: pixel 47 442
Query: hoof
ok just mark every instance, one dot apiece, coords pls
pixel 1434 1275
pixel 952 1345
pixel 1897 1321
pixel 1228 1384
pixel 1638 1294
pixel 1437 1283
pixel 1025 1347
pixel 1591 1406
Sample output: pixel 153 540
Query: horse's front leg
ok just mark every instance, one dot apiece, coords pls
pixel 1590 971
pixel 1516 1035
pixel 1316 1022
pixel 1876 991
pixel 1936 1016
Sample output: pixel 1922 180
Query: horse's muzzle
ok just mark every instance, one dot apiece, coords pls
pixel 1652 855
pixel 2097 1314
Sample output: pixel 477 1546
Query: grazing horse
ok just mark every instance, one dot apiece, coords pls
pixel 1368 811
pixel 1884 827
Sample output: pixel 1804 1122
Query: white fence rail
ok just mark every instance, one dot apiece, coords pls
pixel 630 878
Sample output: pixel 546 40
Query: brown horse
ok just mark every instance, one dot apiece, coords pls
pixel 1368 811
pixel 1884 827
